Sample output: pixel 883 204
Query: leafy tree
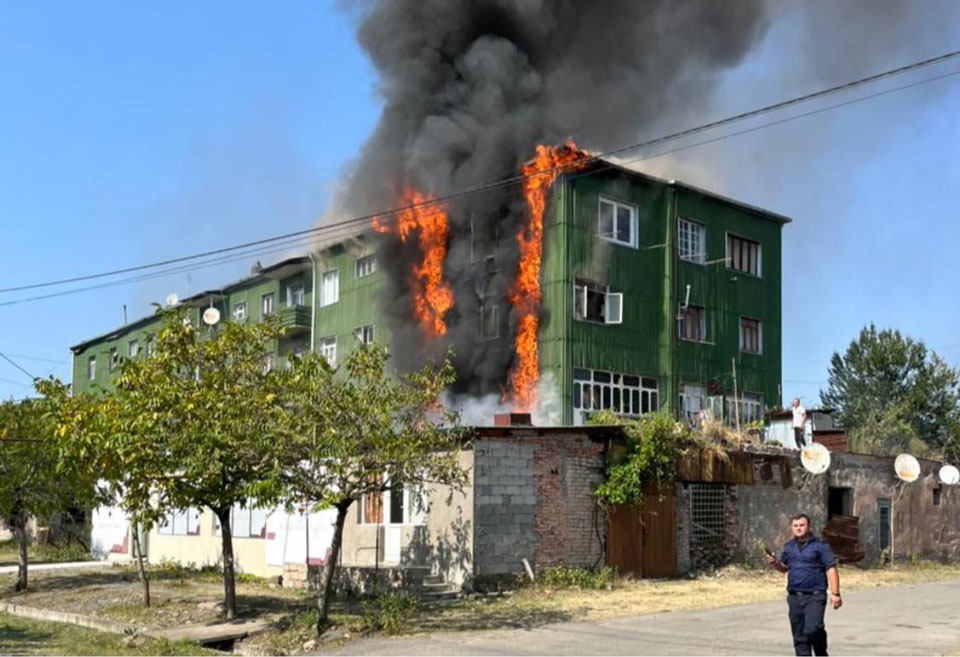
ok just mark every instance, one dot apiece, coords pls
pixel 33 479
pixel 361 431
pixel 194 425
pixel 885 380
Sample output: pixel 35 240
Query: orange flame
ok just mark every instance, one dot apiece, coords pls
pixel 432 297
pixel 541 172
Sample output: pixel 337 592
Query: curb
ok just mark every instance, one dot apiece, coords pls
pixel 113 627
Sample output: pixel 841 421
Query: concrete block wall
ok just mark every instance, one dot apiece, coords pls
pixel 533 499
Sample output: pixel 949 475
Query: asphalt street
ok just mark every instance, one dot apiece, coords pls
pixel 912 620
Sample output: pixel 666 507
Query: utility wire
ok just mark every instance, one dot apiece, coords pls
pixel 6 358
pixel 363 221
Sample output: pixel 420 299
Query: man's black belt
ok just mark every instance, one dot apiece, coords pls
pixel 806 592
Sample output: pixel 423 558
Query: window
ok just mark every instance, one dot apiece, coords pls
pixel 489 322
pixel 883 525
pixel 618 222
pixel 371 505
pixel 693 324
pixel 750 337
pixel 403 507
pixel 329 288
pixel 181 522
pixel 240 312
pixel 743 255
pixel 91 368
pixel 114 359
pixel 267 304
pixel 328 349
pixel 751 408
pixel 151 344
pixel 247 522
pixel 708 505
pixel 366 265
pixel 691 241
pixel 133 348
pixel 594 303
pixel 295 295
pixel 363 334
pixel 692 398
pixel 624 394
pixel 269 362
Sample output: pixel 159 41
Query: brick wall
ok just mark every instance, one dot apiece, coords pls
pixel 534 500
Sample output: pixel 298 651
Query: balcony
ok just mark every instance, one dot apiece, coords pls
pixel 296 319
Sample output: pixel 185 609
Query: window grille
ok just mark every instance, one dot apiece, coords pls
pixel 707 512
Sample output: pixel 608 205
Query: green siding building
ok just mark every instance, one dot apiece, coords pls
pixel 656 296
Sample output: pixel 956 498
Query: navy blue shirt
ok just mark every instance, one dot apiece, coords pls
pixel 808 563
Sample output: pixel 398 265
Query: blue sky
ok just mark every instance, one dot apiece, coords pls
pixel 130 134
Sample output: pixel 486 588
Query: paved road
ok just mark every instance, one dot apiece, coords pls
pixel 66 565
pixel 914 620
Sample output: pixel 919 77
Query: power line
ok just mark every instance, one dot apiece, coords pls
pixel 364 220
pixel 36 358
pixel 6 358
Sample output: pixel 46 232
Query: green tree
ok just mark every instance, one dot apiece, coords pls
pixel 34 480
pixel 362 431
pixel 886 380
pixel 195 425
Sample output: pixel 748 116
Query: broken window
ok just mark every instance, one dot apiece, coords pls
pixel 838 502
pixel 693 324
pixel 363 334
pixel 596 303
pixel 743 255
pixel 707 513
pixel 618 222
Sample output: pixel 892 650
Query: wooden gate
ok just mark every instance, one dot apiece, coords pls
pixel 642 539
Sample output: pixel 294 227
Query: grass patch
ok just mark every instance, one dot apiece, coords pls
pixel 21 636
pixel 9 553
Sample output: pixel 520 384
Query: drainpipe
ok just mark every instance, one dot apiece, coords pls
pixel 313 302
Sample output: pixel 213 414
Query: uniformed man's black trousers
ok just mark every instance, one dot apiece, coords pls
pixel 806 621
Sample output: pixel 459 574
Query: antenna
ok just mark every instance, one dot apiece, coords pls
pixel 907 468
pixel 172 300
pixel 686 299
pixel 211 316
pixel 815 458
pixel 949 475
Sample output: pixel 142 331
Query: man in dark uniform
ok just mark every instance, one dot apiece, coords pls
pixel 811 576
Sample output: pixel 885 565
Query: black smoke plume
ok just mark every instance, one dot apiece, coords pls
pixel 471 86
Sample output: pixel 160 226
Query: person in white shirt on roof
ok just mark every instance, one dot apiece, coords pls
pixel 799 417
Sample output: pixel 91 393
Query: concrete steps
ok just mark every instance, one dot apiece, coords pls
pixel 435 588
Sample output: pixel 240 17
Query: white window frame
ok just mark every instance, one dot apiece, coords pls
pixel 751 408
pixel 328 349
pixel 240 311
pixel 627 393
pixel 612 302
pixel 264 299
pixel 365 266
pixel 91 368
pixel 180 522
pixel 133 348
pixel 151 341
pixel 113 359
pixel 691 241
pixel 693 402
pixel 729 256
pixel 295 294
pixel 759 351
pixel 329 298
pixel 702 327
pixel 364 334
pixel 634 223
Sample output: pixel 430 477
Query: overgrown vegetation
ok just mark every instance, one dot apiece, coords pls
pixel 653 443
pixel 567 576
pixel 389 611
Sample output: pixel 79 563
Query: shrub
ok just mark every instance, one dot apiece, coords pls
pixel 566 576
pixel 58 553
pixel 389 611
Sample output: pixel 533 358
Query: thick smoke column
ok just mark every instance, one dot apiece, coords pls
pixel 471 86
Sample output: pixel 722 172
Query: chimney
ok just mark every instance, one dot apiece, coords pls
pixel 512 420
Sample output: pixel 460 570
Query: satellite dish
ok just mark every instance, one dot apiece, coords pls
pixel 172 299
pixel 949 475
pixel 211 316
pixel 907 468
pixel 815 458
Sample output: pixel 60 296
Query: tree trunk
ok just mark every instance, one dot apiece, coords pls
pixel 323 599
pixel 20 531
pixel 229 582
pixel 138 552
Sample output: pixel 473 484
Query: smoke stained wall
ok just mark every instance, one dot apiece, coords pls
pixel 471 86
